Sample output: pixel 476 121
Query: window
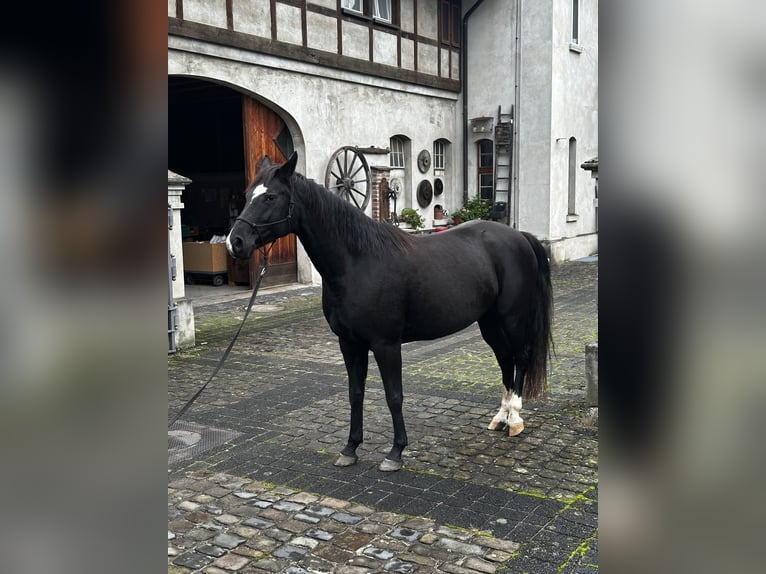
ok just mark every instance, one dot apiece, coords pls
pixel 440 148
pixel 575 21
pixel 381 10
pixel 485 169
pixel 571 197
pixel 396 155
pixel 386 11
pixel 449 16
pixel 353 5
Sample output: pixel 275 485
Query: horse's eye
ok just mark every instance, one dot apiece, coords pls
pixel 270 197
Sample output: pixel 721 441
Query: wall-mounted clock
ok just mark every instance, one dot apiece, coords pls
pixel 424 161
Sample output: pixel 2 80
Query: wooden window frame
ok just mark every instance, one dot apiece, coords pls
pixel 483 171
pixel 450 21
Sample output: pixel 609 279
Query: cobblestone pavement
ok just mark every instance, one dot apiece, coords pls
pixel 252 487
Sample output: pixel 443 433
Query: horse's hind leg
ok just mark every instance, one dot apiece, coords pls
pixel 511 360
pixel 495 337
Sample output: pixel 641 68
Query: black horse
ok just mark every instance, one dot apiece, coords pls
pixel 382 287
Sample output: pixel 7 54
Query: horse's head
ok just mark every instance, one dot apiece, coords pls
pixel 268 210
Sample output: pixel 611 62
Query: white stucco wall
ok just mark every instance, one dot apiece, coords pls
pixel 574 114
pixel 326 109
pixel 558 98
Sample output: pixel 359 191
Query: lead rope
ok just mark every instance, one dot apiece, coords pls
pixel 264 267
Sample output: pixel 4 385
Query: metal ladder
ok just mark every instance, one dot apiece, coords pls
pixel 501 200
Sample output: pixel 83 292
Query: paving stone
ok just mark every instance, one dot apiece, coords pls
pixel 333 554
pixel 246 495
pixel 303 498
pixel 404 533
pixel 379 553
pixel 193 560
pixel 319 534
pixel 214 570
pixel 367 562
pixel 334 503
pixel 429 538
pixel 317 510
pixel 269 564
pixel 261 503
pixel 232 562
pixel 497 543
pixel 211 550
pixel 286 506
pixel 417 559
pixel 306 518
pixel 227 519
pixel 480 565
pixel 352 570
pixel 309 543
pixel 399 566
pixel 344 518
pixel 258 523
pixel 458 546
pixel 297 570
pixel 290 552
pixel 227 541
pixel 188 505
pixel 351 540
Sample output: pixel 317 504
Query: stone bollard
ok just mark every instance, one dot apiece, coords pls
pixel 591 374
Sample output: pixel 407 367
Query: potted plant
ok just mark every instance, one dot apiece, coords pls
pixel 412 218
pixel 476 208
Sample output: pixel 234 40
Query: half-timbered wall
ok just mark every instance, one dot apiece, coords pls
pixel 327 33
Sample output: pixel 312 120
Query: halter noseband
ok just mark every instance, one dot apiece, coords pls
pixel 256 226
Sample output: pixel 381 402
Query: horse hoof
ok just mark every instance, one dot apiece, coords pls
pixel 389 465
pixel 344 460
pixel 515 429
pixel 496 425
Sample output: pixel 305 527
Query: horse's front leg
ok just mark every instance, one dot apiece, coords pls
pixel 355 357
pixel 389 359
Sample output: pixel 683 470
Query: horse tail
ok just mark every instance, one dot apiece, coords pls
pixel 539 333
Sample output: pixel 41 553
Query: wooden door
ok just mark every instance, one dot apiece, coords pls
pixel 262 126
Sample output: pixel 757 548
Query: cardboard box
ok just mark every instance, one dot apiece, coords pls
pixel 204 257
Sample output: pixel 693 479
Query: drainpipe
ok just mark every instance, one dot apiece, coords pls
pixel 464 79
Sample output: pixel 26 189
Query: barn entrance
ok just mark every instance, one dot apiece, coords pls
pixel 217 136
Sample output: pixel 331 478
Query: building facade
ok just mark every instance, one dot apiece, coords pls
pixel 403 82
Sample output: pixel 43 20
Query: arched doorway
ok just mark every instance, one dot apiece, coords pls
pixel 217 136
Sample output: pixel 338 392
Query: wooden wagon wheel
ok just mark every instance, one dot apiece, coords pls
pixel 348 175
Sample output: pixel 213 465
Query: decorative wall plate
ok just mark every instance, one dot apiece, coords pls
pixel 425 193
pixel 424 161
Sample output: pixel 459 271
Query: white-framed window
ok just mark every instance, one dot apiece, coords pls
pixel 381 10
pixel 353 5
pixel 396 155
pixel 440 150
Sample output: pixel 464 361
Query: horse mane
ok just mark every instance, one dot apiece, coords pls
pixel 346 223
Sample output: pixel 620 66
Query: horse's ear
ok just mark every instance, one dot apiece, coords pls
pixel 265 162
pixel 288 168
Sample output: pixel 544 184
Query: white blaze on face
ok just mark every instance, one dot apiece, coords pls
pixel 260 190
pixel 228 244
